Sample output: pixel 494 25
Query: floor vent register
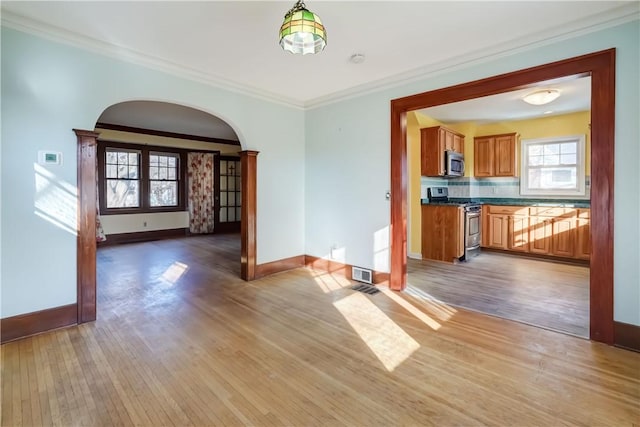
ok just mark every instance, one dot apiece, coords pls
pixel 365 289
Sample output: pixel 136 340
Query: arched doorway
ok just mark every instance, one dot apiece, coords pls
pixel 87 211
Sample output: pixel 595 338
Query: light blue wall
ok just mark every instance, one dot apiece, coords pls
pixel 47 90
pixel 329 192
pixel 348 157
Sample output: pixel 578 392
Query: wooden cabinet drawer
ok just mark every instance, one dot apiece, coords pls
pixel 508 210
pixel 552 212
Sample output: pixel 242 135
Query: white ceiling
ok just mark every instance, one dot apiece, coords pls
pixel 575 95
pixel 235 43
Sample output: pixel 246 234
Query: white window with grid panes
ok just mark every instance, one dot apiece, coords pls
pixel 553 166
pixel 122 178
pixel 163 179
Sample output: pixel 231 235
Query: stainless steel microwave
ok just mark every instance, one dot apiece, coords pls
pixel 454 163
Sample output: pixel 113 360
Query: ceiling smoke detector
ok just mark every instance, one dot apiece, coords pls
pixel 357 58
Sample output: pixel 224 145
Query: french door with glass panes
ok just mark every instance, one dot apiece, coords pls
pixel 228 195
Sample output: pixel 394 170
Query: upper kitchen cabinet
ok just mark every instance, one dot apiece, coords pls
pixel 435 141
pixel 495 155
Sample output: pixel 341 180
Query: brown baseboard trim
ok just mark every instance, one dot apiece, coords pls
pixel 144 236
pixel 24 325
pixel 626 336
pixel 334 267
pixel 273 267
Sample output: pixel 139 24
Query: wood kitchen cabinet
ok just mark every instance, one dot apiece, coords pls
pixel 563 229
pixel 498 233
pixel 495 155
pixel 540 230
pixel 583 231
pixel 434 142
pixel 564 236
pixel 556 231
pixel 507 228
pixel 518 233
pixel 442 232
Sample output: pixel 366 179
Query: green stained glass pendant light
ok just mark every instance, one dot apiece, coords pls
pixel 302 31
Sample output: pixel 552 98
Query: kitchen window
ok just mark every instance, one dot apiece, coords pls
pixel 140 179
pixel 553 166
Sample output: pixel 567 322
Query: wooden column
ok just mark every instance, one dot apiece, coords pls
pixel 603 89
pixel 86 241
pixel 248 160
pixel 398 228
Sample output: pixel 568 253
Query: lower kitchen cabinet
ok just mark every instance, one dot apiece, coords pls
pixel 506 227
pixel 498 231
pixel 583 231
pixel 442 232
pixel 564 235
pixel 518 233
pixel 540 230
pixel 559 232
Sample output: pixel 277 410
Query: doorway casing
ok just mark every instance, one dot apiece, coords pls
pixel 87 209
pixel 601 67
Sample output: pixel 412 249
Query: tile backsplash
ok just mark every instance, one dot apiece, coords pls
pixel 469 187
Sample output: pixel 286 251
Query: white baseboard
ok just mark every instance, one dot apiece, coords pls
pixel 414 255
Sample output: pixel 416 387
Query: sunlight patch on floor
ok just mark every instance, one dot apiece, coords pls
pixel 175 271
pixel 328 282
pixel 434 306
pixel 411 308
pixel 388 341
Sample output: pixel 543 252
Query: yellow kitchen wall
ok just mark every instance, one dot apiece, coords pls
pixel 546 127
pixel 415 122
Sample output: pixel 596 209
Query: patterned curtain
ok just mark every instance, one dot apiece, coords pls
pixel 200 183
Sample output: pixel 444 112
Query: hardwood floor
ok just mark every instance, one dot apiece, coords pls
pixel 181 340
pixel 548 294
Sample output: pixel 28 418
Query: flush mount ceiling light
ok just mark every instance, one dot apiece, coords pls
pixel 541 97
pixel 302 31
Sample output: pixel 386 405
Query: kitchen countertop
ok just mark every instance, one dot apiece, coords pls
pixel 519 202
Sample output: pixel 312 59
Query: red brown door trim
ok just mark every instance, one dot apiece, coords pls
pixel 248 162
pixel 86 240
pixel 601 67
pixel 87 210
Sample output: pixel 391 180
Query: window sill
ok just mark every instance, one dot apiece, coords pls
pixel 126 211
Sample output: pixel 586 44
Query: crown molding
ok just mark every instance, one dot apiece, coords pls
pixel 614 17
pixel 60 35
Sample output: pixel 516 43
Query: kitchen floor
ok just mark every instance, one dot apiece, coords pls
pixel 551 295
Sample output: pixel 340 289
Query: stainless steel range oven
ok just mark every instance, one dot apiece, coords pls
pixel 472 230
pixel 472 219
